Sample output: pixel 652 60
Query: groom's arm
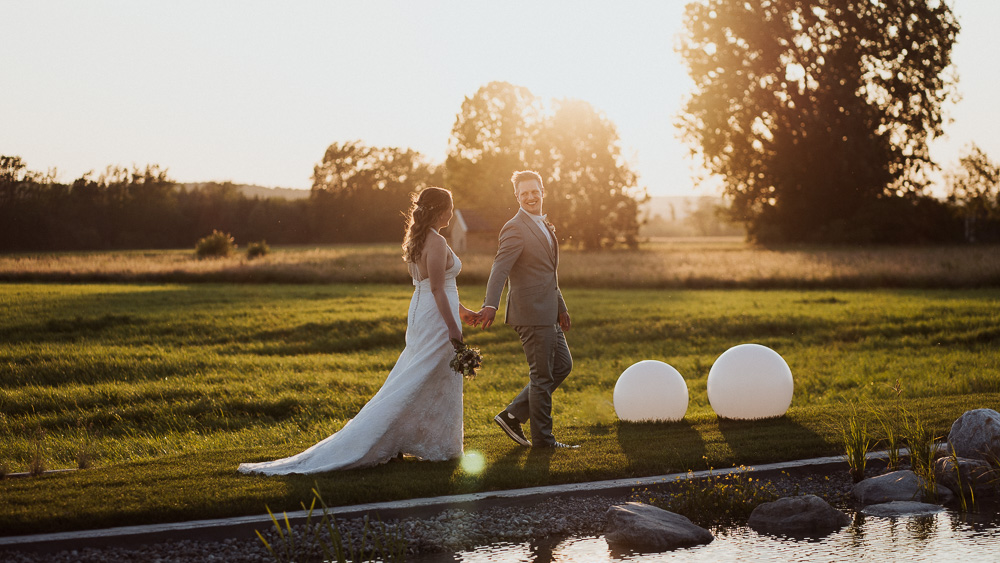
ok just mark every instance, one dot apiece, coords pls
pixel 508 251
pixel 564 321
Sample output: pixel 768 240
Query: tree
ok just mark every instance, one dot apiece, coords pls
pixel 814 110
pixel 495 133
pixel 28 204
pixel 975 187
pixel 142 206
pixel 359 192
pixel 591 192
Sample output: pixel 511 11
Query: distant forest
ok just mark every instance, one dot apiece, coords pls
pixel 144 208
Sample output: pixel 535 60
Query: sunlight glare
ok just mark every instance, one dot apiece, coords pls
pixel 473 462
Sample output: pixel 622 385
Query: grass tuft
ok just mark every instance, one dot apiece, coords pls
pixel 85 455
pixel 923 448
pixel 38 465
pixel 857 443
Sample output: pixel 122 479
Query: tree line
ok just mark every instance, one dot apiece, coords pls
pixel 816 115
pixel 359 192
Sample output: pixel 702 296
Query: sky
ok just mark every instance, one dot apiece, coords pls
pixel 253 92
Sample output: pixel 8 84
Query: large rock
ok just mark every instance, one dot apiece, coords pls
pixel 641 527
pixel 976 435
pixel 976 475
pixel 797 516
pixel 899 508
pixel 898 485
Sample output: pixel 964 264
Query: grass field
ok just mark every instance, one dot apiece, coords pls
pixel 169 386
pixel 675 263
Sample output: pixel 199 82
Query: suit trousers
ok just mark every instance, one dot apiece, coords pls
pixel 549 362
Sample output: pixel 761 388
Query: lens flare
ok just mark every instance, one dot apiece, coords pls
pixel 473 462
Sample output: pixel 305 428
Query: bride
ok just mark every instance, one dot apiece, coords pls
pixel 418 410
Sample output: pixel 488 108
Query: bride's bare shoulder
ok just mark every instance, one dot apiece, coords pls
pixel 435 238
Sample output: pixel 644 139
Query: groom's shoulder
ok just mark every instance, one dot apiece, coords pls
pixel 513 223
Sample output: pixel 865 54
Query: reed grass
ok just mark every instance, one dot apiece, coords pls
pixel 922 444
pixel 967 504
pixel 890 421
pixel 679 263
pixel 857 444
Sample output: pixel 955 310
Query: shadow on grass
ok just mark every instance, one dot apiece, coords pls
pixel 514 469
pixel 660 447
pixel 753 441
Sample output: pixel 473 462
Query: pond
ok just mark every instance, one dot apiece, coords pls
pixel 946 536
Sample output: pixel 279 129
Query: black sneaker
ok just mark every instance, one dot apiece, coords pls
pixel 559 445
pixel 512 427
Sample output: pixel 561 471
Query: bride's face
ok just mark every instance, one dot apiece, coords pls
pixel 445 218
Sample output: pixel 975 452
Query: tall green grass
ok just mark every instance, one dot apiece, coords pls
pixel 169 387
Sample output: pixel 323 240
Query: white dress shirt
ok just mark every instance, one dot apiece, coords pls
pixel 540 221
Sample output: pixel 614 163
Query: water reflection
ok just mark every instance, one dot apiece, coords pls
pixel 945 536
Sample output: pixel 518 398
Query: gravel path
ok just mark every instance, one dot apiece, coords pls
pixel 449 531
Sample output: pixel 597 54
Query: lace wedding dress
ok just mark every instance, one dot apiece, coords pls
pixel 418 410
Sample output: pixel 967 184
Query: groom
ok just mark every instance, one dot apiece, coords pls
pixel 526 260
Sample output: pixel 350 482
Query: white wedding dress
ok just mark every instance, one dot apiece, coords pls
pixel 418 410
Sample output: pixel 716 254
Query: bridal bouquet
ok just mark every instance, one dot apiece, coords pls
pixel 467 360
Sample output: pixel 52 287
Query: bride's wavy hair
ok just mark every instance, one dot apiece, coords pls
pixel 425 207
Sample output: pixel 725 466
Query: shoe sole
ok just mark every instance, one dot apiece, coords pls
pixel 510 432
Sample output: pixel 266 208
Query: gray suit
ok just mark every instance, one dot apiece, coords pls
pixel 527 263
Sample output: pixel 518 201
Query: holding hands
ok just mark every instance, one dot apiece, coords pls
pixel 468 316
pixel 485 317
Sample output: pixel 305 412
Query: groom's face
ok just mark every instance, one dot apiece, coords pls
pixel 529 196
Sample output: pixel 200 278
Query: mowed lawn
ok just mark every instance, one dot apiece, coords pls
pixel 168 387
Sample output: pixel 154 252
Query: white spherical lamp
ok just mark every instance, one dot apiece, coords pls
pixel 750 381
pixel 650 391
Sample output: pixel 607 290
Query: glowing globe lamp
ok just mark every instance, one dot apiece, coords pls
pixel 750 381
pixel 650 391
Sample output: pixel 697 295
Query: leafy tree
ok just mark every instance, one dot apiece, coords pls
pixel 495 133
pixel 359 192
pixel 814 110
pixel 591 193
pixel 975 187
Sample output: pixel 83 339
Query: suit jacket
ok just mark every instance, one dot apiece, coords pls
pixel 527 263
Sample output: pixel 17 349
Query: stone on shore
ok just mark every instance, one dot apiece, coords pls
pixel 898 485
pixel 797 516
pixel 977 476
pixel 899 508
pixel 976 435
pixel 640 527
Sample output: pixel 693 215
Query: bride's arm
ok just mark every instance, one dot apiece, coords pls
pixel 437 261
